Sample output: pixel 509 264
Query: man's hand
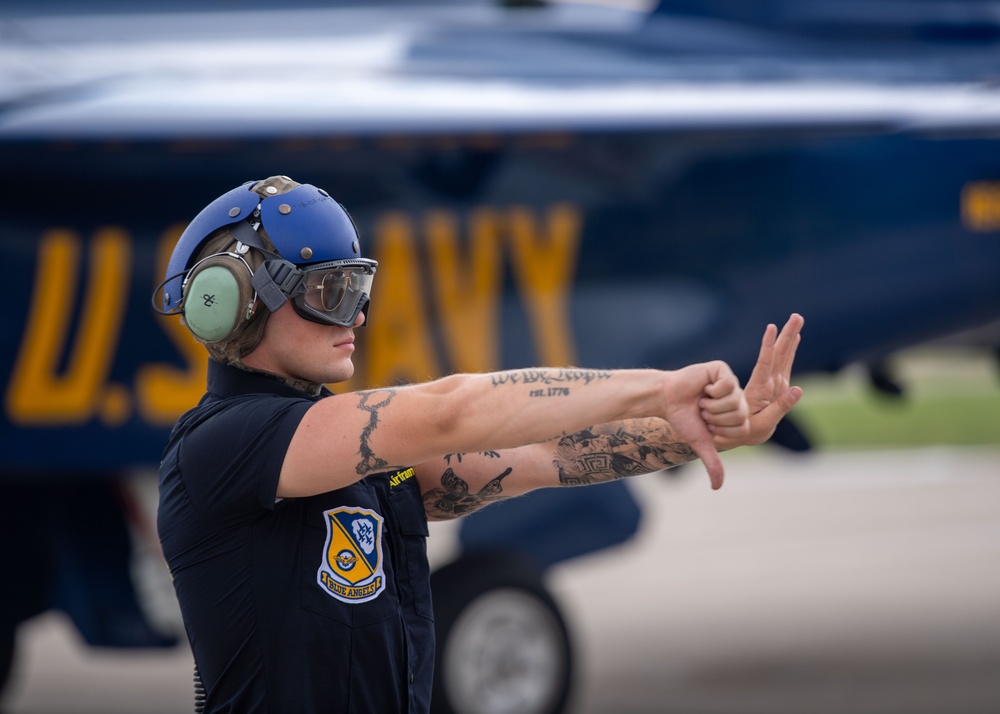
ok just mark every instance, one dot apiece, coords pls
pixel 768 395
pixel 708 411
pixel 706 404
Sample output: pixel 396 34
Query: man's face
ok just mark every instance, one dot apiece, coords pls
pixel 301 349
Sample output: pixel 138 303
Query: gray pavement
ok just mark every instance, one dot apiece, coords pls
pixel 844 583
pixel 855 582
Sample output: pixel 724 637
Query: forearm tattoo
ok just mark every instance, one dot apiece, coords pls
pixel 369 461
pixel 608 452
pixel 454 500
pixel 549 382
pixel 458 457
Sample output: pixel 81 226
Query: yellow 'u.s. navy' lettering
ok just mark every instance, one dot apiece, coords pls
pixel 351 566
pixel 980 206
pixel 441 288
pixel 39 393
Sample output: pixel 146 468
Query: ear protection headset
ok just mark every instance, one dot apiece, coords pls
pixel 218 296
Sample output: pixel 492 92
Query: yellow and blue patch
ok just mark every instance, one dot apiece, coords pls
pixel 352 568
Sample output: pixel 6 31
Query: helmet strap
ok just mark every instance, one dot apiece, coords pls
pixel 278 278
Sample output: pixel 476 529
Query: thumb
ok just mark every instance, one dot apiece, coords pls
pixel 782 405
pixel 766 420
pixel 788 399
pixel 713 464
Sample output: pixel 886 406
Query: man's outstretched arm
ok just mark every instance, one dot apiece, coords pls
pixel 460 484
pixel 342 439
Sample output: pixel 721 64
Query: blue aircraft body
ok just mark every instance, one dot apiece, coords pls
pixel 605 185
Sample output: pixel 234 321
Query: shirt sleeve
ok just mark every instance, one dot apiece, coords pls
pixel 231 461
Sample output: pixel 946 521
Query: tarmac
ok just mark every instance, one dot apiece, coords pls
pixel 859 581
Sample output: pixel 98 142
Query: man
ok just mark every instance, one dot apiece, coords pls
pixel 294 521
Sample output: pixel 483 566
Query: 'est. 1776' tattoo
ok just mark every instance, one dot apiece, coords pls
pixel 369 461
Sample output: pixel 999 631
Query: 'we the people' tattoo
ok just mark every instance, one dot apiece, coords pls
pixel 549 382
pixel 611 452
pixel 369 461
pixel 454 500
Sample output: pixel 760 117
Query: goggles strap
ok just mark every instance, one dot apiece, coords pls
pixel 267 290
pixel 277 280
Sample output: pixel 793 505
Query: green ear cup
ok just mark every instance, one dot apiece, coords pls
pixel 212 303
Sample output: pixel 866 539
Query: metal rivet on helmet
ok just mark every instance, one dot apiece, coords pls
pixel 234 211
pixel 284 209
pixel 357 248
pixel 306 253
pixel 271 190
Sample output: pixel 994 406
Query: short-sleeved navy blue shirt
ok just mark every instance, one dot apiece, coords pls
pixel 318 604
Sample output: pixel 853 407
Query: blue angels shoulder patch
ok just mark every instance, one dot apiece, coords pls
pixel 351 569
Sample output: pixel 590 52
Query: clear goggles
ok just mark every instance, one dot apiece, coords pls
pixel 334 294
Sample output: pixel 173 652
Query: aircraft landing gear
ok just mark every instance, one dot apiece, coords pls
pixel 502 644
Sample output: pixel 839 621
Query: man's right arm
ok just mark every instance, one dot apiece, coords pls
pixel 342 439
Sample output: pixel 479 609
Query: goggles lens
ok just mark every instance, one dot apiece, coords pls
pixel 336 295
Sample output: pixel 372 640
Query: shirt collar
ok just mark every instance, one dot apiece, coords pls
pixel 229 381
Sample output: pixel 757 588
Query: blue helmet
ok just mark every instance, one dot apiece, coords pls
pixel 313 256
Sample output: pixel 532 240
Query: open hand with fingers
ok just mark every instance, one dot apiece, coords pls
pixel 712 413
pixel 768 394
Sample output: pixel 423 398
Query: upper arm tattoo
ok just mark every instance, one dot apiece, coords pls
pixel 454 499
pixel 369 461
pixel 612 451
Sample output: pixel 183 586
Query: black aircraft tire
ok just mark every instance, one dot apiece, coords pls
pixel 502 644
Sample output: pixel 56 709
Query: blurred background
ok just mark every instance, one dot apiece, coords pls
pixel 602 184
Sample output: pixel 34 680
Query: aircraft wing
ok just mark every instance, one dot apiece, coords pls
pixel 470 67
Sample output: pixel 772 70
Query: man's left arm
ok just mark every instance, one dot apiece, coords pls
pixel 460 484
pixel 463 483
